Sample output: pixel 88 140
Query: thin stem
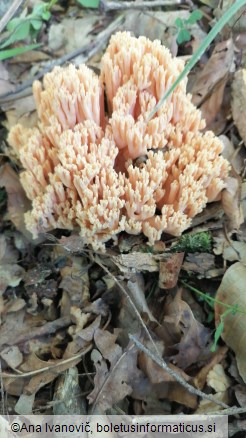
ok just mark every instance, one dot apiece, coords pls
pixel 214 300
pixel 197 55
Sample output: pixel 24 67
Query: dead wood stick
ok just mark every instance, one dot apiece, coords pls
pixel 159 361
pixel 124 5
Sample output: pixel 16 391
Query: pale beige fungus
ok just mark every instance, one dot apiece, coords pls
pixel 111 170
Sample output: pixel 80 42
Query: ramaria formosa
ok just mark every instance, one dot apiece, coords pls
pixel 113 171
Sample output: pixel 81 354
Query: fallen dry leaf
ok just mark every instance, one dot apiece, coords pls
pixel 162 384
pixel 235 252
pixel 10 272
pixel 136 262
pixel 75 280
pixel 232 292
pixel 200 379
pixel 199 263
pixel 18 204
pixel 217 379
pixel 161 25
pixel 136 288
pixel 12 356
pixel 179 394
pixel 208 89
pixel 12 323
pixel 5 84
pixel 117 374
pixel 239 102
pixel 66 36
pixel 153 371
pixel 234 155
pixel 31 384
pixel 23 111
pixel 81 337
pixel 230 199
pixel 73 243
pixel 194 337
pixel 207 406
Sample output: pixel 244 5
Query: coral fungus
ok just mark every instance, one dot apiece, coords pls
pixel 117 171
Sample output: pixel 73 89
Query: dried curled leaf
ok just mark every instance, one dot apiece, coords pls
pixel 116 371
pixel 192 336
pixel 208 89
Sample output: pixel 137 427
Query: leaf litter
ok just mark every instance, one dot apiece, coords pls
pixel 66 313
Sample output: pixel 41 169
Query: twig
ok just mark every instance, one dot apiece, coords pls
pixel 120 6
pixel 159 361
pixel 234 410
pixel 9 13
pixel 88 50
pixel 48 368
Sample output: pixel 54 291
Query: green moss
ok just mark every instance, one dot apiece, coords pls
pixel 199 242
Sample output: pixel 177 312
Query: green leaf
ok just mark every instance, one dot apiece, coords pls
pixel 36 24
pixel 179 23
pixel 5 54
pixel 46 15
pixel 39 9
pixel 12 24
pixel 220 328
pixel 89 3
pixel 183 36
pixel 194 17
pixel 217 335
pixel 20 33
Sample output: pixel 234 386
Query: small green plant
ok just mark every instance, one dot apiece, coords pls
pixel 211 301
pixel 199 242
pixel 25 27
pixel 183 25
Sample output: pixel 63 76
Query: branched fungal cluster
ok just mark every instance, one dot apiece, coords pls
pixel 107 172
